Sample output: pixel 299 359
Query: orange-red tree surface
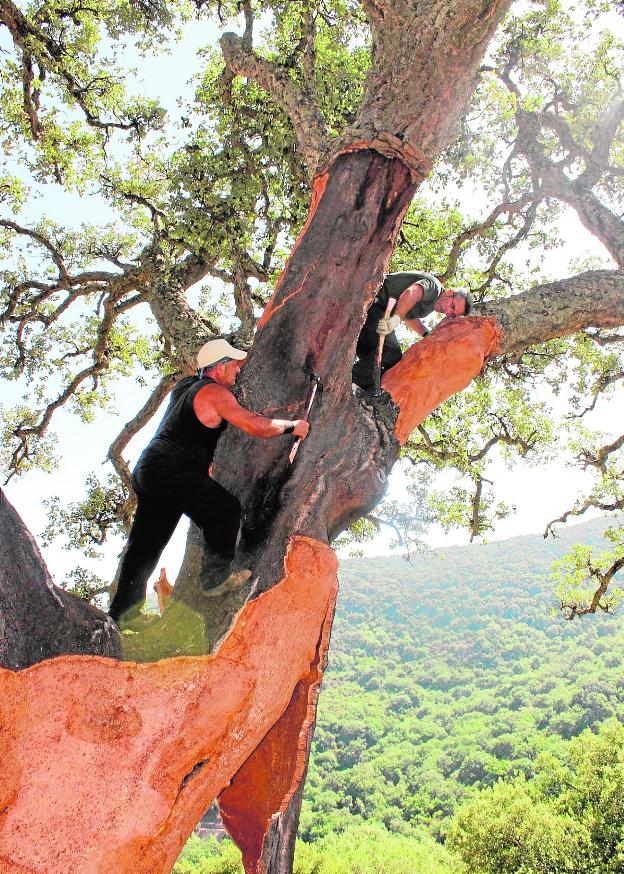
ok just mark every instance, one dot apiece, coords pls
pixel 159 740
pixel 166 738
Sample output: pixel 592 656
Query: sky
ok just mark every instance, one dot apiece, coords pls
pixel 540 494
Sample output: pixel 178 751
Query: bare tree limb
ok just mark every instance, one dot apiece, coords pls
pixel 604 579
pixel 582 508
pixel 131 428
pixel 601 384
pixel 32 41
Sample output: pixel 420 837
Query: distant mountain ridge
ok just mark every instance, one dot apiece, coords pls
pixel 513 551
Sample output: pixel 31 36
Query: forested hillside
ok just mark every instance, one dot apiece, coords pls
pixel 448 673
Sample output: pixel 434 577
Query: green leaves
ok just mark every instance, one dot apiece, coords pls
pixel 567 819
pixel 87 523
pixel 451 673
pixel 584 577
pixel 508 830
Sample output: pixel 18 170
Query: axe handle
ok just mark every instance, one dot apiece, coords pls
pixel 380 344
pixel 296 444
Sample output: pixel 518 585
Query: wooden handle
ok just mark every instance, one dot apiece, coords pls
pixel 380 343
pixel 295 446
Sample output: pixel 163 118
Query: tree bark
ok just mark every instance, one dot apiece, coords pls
pixel 37 619
pixel 174 734
pixel 557 309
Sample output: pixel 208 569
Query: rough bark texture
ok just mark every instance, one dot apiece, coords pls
pixel 439 44
pixel 37 619
pixel 298 102
pixel 342 467
pixel 592 299
pixel 311 325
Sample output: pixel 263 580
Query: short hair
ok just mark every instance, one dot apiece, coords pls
pixel 468 301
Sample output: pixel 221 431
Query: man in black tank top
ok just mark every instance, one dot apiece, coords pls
pixel 172 478
pixel 417 295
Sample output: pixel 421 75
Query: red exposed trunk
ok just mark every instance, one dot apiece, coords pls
pixel 252 702
pixel 164 738
pixel 438 367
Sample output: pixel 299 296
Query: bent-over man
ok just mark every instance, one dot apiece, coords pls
pixel 417 294
pixel 172 478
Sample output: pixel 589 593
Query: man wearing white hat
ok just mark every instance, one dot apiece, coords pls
pixel 171 478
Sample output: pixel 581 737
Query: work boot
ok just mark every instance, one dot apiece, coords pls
pixel 359 392
pixel 133 620
pixel 236 580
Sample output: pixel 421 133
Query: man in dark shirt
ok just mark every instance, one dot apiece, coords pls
pixel 417 294
pixel 172 478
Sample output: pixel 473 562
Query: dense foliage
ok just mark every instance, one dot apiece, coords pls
pixel 449 673
pixel 203 202
pixel 568 818
pixel 453 681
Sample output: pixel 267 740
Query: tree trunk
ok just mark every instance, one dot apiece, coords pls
pixel 252 702
pixel 37 619
pixel 169 737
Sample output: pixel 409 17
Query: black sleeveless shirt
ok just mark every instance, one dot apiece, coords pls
pixel 181 438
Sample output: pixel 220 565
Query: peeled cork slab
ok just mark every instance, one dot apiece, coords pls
pixel 439 366
pixel 107 766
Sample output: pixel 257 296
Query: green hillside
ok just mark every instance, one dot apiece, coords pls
pixel 447 674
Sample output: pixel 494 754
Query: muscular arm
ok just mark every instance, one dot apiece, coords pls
pixel 412 295
pixel 213 403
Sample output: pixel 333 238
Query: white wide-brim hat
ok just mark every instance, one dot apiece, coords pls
pixel 215 350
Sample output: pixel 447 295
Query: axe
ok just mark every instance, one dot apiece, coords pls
pixel 380 345
pixel 295 446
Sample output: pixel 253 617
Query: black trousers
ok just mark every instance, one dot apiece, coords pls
pixel 166 491
pixel 366 351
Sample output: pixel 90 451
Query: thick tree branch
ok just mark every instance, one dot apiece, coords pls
pixel 554 182
pixel 557 309
pixel 298 102
pixel 415 123
pixel 604 135
pixel 604 579
pixel 130 429
pixel 479 229
pixel 33 42
pixel 599 458
pixel 31 605
pixel 585 505
pixel 38 237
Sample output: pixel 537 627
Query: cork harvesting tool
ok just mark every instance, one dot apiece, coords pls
pixel 380 344
pixel 295 447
